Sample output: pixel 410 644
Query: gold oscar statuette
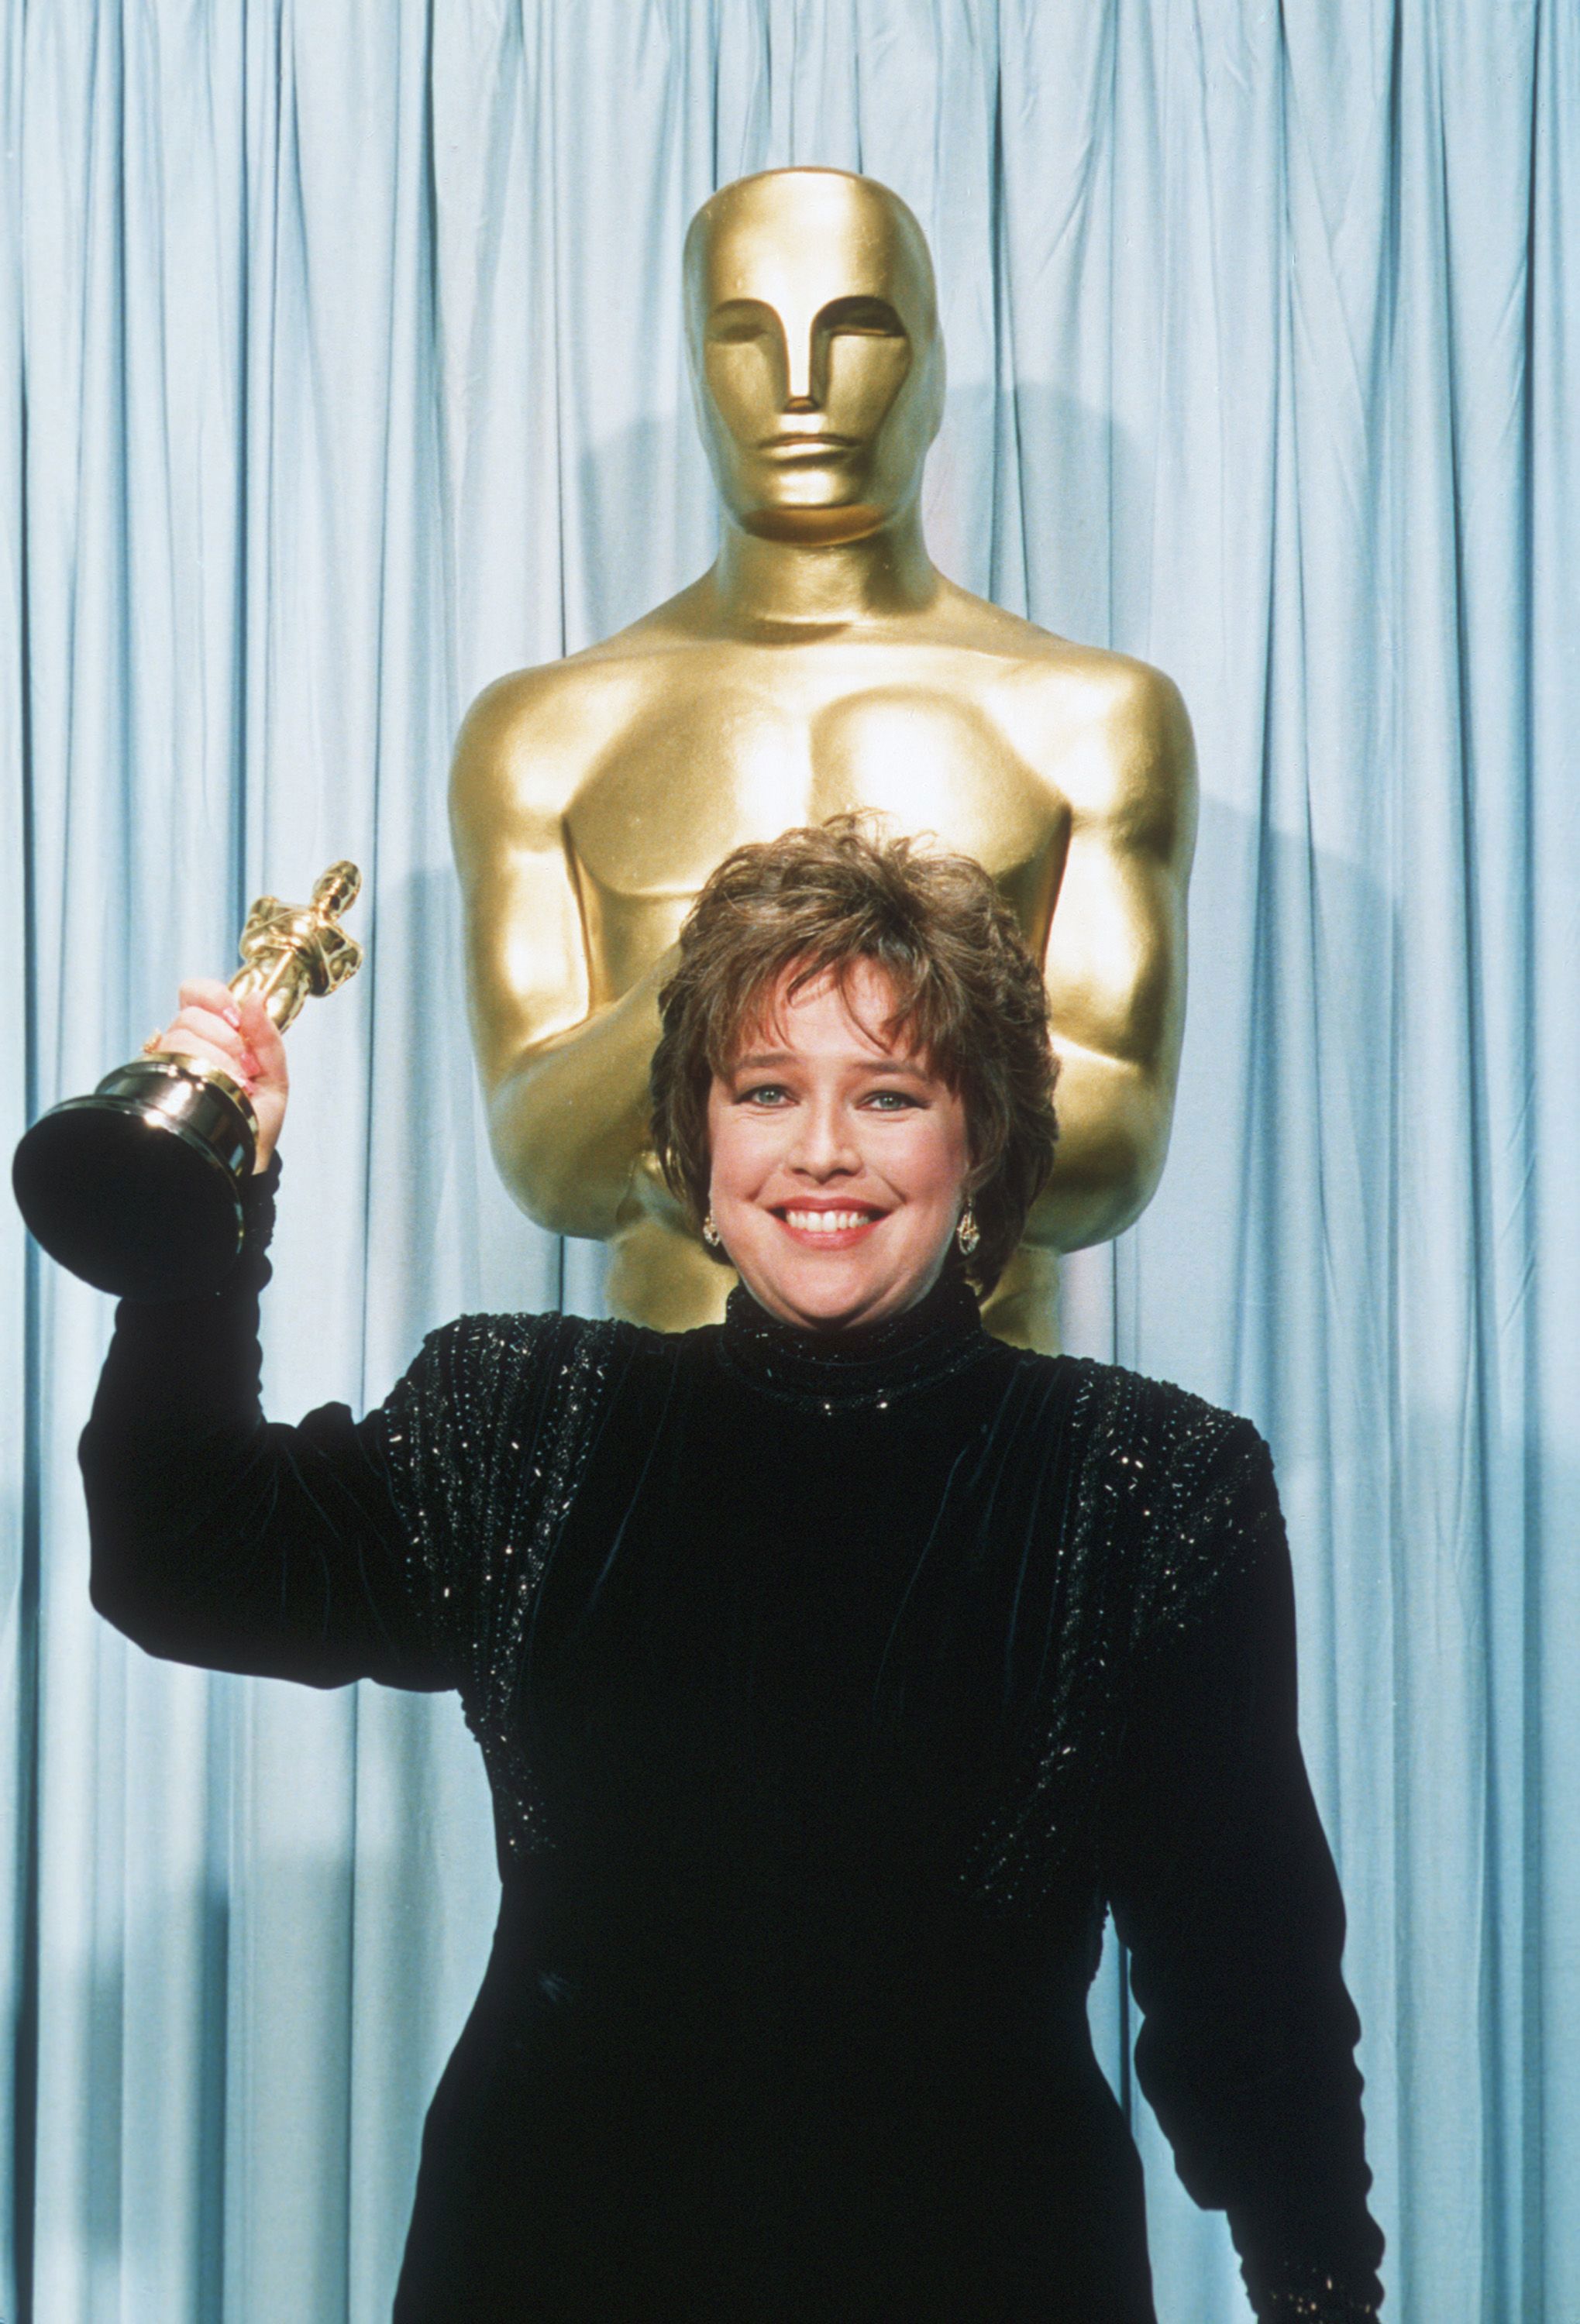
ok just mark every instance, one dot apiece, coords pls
pixel 138 1188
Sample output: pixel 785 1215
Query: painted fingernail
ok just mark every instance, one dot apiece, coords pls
pixel 233 1016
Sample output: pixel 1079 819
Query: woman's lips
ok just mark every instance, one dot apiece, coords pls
pixel 821 1227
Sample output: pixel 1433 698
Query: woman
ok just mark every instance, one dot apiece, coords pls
pixel 835 1669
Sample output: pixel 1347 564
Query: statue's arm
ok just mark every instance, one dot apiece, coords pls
pixel 1115 962
pixel 265 915
pixel 565 1082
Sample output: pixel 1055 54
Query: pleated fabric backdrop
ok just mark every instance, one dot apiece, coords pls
pixel 349 374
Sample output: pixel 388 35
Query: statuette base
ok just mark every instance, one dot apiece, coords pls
pixel 137 1189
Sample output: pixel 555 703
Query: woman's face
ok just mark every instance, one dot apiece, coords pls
pixel 839 1163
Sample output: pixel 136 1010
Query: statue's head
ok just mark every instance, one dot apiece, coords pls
pixel 813 329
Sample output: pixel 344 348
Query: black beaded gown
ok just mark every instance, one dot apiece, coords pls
pixel 830 1693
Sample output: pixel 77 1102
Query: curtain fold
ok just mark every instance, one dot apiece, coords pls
pixel 347 373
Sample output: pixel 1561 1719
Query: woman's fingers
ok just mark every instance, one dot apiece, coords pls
pixel 272 1087
pixel 223 1042
pixel 212 1026
pixel 241 1037
pixel 263 1038
pixel 209 992
pixel 179 1040
pixel 272 1084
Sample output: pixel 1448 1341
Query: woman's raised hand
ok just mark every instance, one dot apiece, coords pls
pixel 239 1036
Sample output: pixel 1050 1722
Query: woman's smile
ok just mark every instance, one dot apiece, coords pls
pixel 831 1227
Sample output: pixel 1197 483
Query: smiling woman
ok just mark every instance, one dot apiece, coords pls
pixel 837 1182
pixel 855 1033
pixel 839 1164
pixel 836 1668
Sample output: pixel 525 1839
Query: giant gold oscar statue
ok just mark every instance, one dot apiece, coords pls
pixel 823 664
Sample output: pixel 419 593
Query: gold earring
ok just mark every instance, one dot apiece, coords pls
pixel 710 1233
pixel 968 1234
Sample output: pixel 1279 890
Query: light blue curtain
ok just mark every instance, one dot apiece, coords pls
pixel 345 372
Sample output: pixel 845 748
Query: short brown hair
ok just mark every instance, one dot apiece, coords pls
pixel 968 997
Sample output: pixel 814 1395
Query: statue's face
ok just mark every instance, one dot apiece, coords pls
pixel 816 352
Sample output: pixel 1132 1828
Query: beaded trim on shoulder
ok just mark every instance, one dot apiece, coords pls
pixel 1171 1499
pixel 487 1439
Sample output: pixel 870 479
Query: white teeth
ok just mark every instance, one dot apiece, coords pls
pixel 825 1222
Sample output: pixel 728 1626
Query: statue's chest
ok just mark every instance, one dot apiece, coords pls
pixel 715 769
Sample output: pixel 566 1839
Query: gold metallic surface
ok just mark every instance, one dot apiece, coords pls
pixel 823 664
pixel 162 1092
pixel 295 950
pixel 138 1188
pixel 289 956
pixel 290 952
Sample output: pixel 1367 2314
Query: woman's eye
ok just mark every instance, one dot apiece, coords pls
pixel 890 1100
pixel 764 1093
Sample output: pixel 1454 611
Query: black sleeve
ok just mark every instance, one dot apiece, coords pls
pixel 1224 1891
pixel 223 1539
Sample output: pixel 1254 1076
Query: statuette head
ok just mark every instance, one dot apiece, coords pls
pixel 812 326
pixel 337 887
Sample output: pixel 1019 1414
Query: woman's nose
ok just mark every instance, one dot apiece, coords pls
pixel 825 1147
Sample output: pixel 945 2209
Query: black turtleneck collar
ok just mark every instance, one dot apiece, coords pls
pixel 866 1368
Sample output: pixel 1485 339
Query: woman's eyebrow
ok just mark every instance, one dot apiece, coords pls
pixel 887 1063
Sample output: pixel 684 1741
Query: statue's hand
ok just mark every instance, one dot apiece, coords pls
pixel 241 1039
pixel 264 918
pixel 651 1195
pixel 341 957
